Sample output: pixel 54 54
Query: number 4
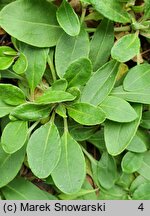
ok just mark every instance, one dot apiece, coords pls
pixel 141 207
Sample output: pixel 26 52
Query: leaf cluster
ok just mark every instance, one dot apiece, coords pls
pixel 74 100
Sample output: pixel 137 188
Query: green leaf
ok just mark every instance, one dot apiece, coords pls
pixel 139 143
pixel 107 171
pixel 101 44
pixel 5 109
pixel 81 133
pixel 68 19
pixel 11 94
pixel 100 84
pixel 86 114
pixel 75 91
pixel 21 64
pixel 8 74
pixel 7 51
pixel 145 168
pixel 51 96
pixel 69 49
pixel 86 193
pixel 6 62
pixel 43 150
pixel 114 193
pixel 78 72
pixel 113 10
pixel 60 85
pixel 145 122
pixel 79 195
pixel 26 21
pixel 117 109
pixel 69 174
pixel 31 112
pixel 7 57
pixel 141 96
pixel 10 165
pixel 22 189
pixel 4 3
pixel 126 48
pixel 139 180
pixel 14 136
pixel 37 58
pixel 125 180
pixel 137 78
pixel 119 135
pixel 142 192
pixel 131 162
pixel 61 110
pixel 146 9
pixel 97 139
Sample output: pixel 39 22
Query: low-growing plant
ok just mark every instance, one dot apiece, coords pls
pixel 75 99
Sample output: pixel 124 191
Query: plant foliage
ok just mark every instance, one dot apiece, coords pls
pixel 74 99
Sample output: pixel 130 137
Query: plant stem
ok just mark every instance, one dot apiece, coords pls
pixel 32 127
pixel 53 116
pixel 90 29
pixel 32 95
pixel 83 14
pixel 122 28
pixel 51 65
pixel 65 125
pixel 116 29
pixel 89 156
pixel 144 52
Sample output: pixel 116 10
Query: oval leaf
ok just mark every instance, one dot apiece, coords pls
pixel 126 48
pixel 78 72
pixel 5 109
pixel 68 19
pixel 117 109
pixel 145 168
pixel 21 189
pixel 10 165
pixel 31 111
pixel 142 192
pixel 100 84
pixel 146 9
pixel 107 171
pixel 145 122
pixel 6 62
pixel 113 10
pixel 36 58
pixel 81 133
pixel 11 94
pixel 101 44
pixel 7 51
pixel 69 49
pixel 119 135
pixel 114 193
pixel 137 78
pixel 139 180
pixel 59 85
pixel 21 64
pixel 139 143
pixel 14 136
pixel 26 21
pixel 51 96
pixel 43 150
pixel 131 162
pixel 69 174
pixel 86 114
pixel 141 96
